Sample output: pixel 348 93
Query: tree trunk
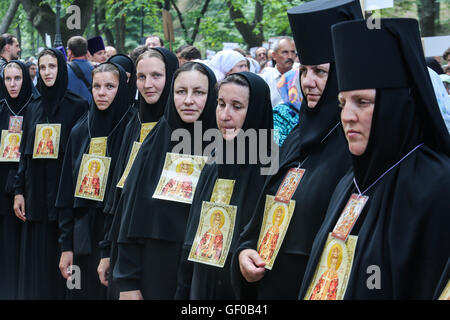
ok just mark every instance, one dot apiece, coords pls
pixel 9 16
pixel 120 31
pixel 253 37
pixel 426 13
pixel 43 18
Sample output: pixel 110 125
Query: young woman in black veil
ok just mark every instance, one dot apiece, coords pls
pixel 157 193
pixel 385 234
pixel 155 69
pixel 17 86
pixel 91 156
pixel 230 189
pixel 313 159
pixel 46 129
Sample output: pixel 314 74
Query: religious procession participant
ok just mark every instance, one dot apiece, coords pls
pixel 227 62
pixel 17 85
pixel 155 69
pixel 90 159
pixel 385 234
pixel 275 247
pixel 46 129
pixel 158 191
pixel 227 190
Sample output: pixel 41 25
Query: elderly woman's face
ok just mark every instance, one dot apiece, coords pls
pixel 356 117
pixel 239 67
pixel 313 80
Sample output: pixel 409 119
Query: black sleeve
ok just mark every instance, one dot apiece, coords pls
pixel 185 271
pixel 128 269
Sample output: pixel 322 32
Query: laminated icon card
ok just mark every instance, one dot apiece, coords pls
pixel 179 177
pixel 333 270
pixel 9 146
pixel 277 216
pixel 445 295
pixel 134 152
pixel 214 234
pixel 92 177
pixel 145 130
pixel 46 141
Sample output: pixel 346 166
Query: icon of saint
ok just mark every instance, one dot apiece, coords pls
pixel 270 240
pixel 46 146
pixel 211 244
pixel 90 185
pixel 327 286
pixel 12 149
pixel 181 185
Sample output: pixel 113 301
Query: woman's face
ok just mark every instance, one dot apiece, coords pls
pixel 231 109
pixel 151 79
pixel 48 69
pixel 313 80
pixel 13 81
pixel 104 89
pixel 239 67
pixel 356 117
pixel 190 94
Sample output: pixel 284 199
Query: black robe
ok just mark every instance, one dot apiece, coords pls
pixel 202 281
pixel 10 225
pixel 145 113
pixel 37 180
pixel 405 170
pixel 316 145
pixel 82 221
pixel 152 230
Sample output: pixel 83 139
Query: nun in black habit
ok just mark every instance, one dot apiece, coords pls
pixel 148 113
pixel 9 161
pixel 82 220
pixel 397 247
pixel 316 145
pixel 152 230
pixel 37 180
pixel 199 280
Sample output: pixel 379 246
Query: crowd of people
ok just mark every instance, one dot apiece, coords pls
pixel 112 189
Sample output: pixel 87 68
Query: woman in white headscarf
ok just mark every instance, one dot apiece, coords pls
pixel 227 62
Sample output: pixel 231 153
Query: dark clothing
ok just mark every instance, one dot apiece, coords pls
pixel 82 222
pixel 37 180
pixel 201 281
pixel 146 219
pixel 76 84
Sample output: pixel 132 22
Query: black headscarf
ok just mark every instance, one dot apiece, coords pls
pixel 26 91
pixel 403 228
pixel 213 282
pixel 52 96
pixel 152 113
pixel 109 123
pixel 127 64
pixel 144 216
pixel 101 123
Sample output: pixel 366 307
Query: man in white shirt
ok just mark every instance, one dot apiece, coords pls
pixel 284 55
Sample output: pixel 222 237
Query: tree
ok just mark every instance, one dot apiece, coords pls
pixel 42 17
pixel 9 16
pixel 252 32
pixel 190 39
